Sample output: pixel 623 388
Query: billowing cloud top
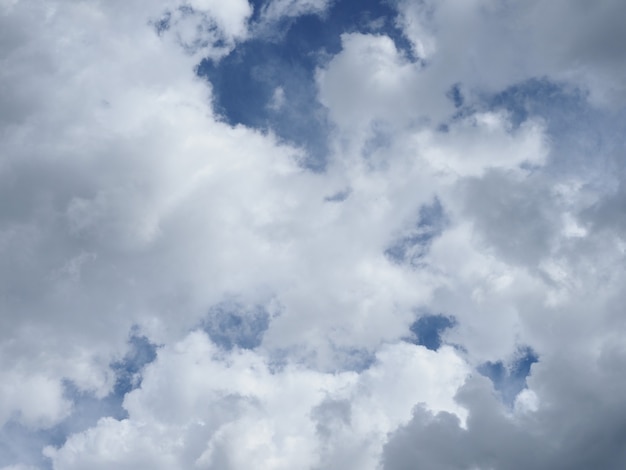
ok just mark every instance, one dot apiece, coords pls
pixel 302 234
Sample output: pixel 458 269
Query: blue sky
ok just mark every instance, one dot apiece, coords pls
pixel 285 56
pixel 313 234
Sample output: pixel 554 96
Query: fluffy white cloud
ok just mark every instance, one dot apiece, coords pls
pixel 33 400
pixel 87 187
pixel 200 408
pixel 367 81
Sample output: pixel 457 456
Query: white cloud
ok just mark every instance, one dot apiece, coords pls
pixel 481 142
pixel 198 407
pixel 366 81
pixel 33 400
pixel 230 16
pixel 275 10
pixel 278 99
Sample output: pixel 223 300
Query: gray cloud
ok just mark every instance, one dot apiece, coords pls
pixel 553 437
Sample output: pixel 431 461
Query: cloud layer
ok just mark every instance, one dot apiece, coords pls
pixel 179 290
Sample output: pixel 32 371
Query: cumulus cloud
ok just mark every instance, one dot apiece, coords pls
pixel 201 408
pixel 235 306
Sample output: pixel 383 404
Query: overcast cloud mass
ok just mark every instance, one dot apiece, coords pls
pixel 312 234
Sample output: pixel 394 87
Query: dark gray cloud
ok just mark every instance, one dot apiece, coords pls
pixel 590 434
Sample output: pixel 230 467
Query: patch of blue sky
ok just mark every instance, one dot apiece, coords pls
pixel 128 370
pixel 354 359
pixel 456 96
pixel 427 330
pixel 260 86
pixel 510 380
pixel 339 196
pixel 232 325
pixel 345 358
pixel 463 107
pixel 268 82
pixel 583 137
pixel 162 24
pixel 86 411
pixel 413 246
pixel 561 105
pixel 20 444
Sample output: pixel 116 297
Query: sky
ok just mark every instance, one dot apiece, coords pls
pixel 312 234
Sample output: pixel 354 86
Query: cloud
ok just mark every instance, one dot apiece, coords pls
pixel 550 437
pixel 564 41
pixel 201 407
pixel 276 9
pixel 366 81
pixel 274 17
pixel 180 289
